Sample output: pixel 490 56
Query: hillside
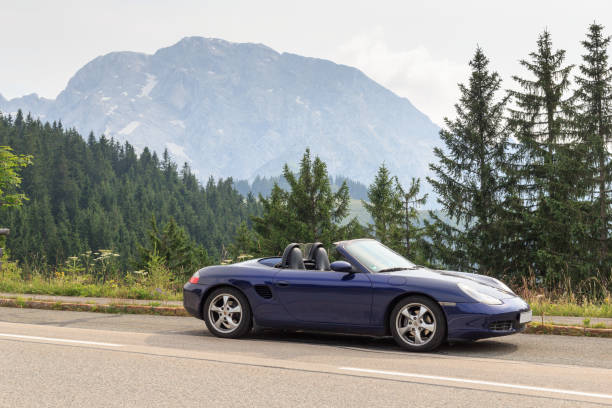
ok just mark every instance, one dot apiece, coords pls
pixel 242 110
pixel 92 195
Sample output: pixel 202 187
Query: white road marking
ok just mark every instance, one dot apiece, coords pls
pixel 94 343
pixel 468 381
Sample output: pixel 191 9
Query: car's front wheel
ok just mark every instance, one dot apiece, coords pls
pixel 227 313
pixel 418 324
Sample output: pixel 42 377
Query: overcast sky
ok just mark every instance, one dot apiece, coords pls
pixel 418 49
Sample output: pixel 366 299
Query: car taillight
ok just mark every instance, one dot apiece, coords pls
pixel 194 279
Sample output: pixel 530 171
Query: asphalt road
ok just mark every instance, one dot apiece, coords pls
pixel 77 359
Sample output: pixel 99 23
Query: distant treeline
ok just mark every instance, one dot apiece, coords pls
pixel 264 185
pixel 99 194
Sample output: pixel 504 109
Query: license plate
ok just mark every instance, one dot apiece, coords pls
pixel 525 317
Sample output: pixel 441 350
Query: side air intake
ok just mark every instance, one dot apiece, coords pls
pixel 263 291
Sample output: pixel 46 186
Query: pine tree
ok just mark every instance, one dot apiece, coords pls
pixel 594 96
pixel 277 226
pixel 245 244
pixel 468 177
pixel 308 212
pixel 548 165
pixel 174 246
pixel 385 207
pixel 411 234
pixel 312 200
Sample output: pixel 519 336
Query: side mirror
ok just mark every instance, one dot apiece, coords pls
pixel 341 266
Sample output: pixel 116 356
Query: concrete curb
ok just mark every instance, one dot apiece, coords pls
pixel 539 328
pixel 102 308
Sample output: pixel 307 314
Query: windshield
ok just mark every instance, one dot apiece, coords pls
pixel 377 257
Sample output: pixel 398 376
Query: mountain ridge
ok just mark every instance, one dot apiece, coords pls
pixel 242 110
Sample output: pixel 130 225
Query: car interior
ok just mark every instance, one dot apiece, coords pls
pixel 293 257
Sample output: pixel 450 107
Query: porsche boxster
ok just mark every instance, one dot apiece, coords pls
pixel 370 289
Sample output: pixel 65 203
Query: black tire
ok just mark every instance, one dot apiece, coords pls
pixel 411 322
pixel 224 329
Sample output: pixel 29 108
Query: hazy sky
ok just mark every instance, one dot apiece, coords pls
pixel 418 49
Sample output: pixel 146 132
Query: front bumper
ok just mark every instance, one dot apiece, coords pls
pixel 473 321
pixel 192 299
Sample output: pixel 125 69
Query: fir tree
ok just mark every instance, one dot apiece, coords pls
pixel 308 212
pixel 245 244
pixel 411 234
pixel 277 226
pixel 385 207
pixel 594 96
pixel 175 248
pixel 547 166
pixel 468 178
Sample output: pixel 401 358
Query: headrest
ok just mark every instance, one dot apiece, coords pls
pixel 313 250
pixel 287 252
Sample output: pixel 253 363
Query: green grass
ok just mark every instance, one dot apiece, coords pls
pixel 159 287
pixel 40 287
pixel 549 308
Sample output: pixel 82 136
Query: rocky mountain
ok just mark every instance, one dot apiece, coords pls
pixel 243 110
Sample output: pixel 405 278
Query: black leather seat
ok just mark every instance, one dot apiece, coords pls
pixel 318 254
pixel 322 260
pixel 296 260
pixel 292 257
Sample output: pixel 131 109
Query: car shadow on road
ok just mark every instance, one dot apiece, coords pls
pixel 484 348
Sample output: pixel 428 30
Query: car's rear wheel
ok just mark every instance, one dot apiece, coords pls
pixel 227 313
pixel 418 324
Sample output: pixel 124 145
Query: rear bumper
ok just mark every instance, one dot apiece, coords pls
pixel 192 299
pixel 473 321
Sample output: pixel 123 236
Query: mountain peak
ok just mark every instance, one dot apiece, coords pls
pixel 242 110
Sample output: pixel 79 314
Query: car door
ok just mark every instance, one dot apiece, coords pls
pixel 325 296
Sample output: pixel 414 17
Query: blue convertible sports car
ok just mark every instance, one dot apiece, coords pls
pixel 373 290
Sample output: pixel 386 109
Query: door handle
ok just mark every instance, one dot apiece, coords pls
pixel 282 283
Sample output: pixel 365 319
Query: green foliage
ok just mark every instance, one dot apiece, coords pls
pixel 385 206
pixel 173 247
pixel 530 193
pixel 308 212
pixel 10 180
pixel 86 195
pixel 548 168
pixel 594 122
pixel 157 283
pixel 394 212
pixel 246 244
pixel 469 179
pixel 158 273
pixel 412 234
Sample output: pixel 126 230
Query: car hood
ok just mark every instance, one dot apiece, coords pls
pixel 481 282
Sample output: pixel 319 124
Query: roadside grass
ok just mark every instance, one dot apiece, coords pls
pixel 561 307
pixel 157 285
pixel 590 297
pixel 63 288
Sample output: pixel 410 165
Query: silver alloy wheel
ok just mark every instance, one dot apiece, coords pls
pixel 225 313
pixel 416 324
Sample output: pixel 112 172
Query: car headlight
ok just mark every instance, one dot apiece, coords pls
pixel 479 296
